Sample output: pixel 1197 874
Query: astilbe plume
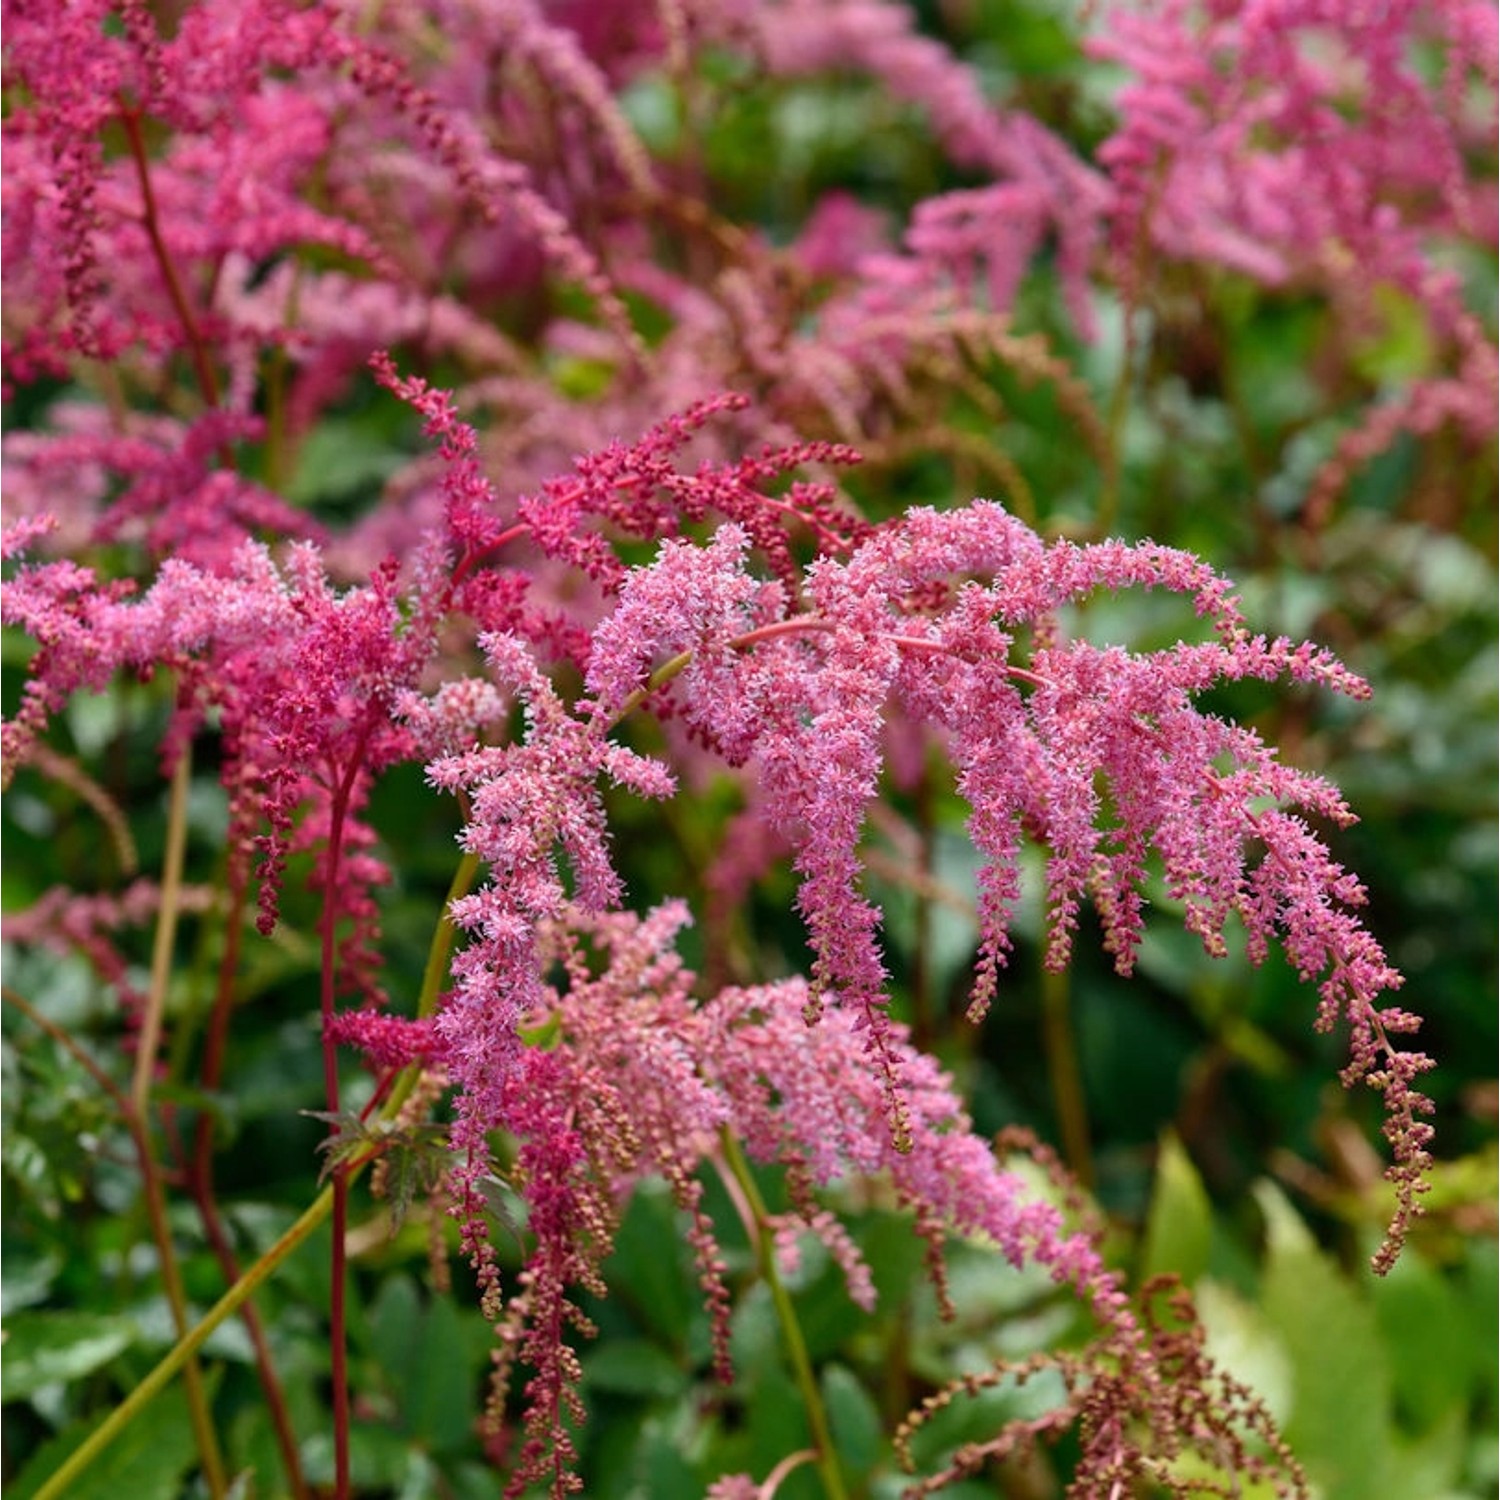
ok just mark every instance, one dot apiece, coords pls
pixel 1310 145
pixel 1034 747
pixel 162 194
pixel 926 613
pixel 302 682
pixel 636 1079
pixel 1302 140
pixel 319 690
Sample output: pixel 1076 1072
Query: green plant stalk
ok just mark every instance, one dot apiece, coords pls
pixel 56 1488
pixel 192 1377
pixel 251 1281
pixel 166 934
pixel 139 1115
pixel 1068 1098
pixel 786 1315
pixel 438 953
pixel 200 1178
pixel 213 1463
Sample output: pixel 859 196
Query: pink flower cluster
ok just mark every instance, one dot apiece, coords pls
pixel 219 228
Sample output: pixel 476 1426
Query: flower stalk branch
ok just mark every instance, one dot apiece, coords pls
pixel 793 1341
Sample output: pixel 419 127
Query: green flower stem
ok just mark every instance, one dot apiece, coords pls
pixel 1061 1048
pixel 192 1377
pixel 184 1350
pixel 786 1314
pixel 138 1117
pixel 320 1208
pixel 438 953
pixel 663 674
pixel 165 936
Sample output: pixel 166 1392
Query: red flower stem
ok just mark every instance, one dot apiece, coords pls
pixel 805 624
pixel 382 1088
pixel 201 1184
pixel 203 370
pixel 161 1233
pixel 472 560
pixel 337 1306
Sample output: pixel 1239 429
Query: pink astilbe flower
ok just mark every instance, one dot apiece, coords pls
pixel 1097 753
pixel 638 1079
pixel 387 1041
pixel 639 490
pixel 525 800
pixel 1303 141
pixel 303 682
pixel 155 481
pixel 620 490
pixel 65 921
pixel 1050 188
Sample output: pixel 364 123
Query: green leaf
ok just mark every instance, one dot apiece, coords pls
pixel 43 1348
pixel 416 1161
pixel 432 1361
pixel 1432 1347
pixel 1339 1422
pixel 350 1138
pixel 1179 1227
pixel 646 1269
pixel 659 1464
pixel 340 458
pixel 145 1462
pixel 28 1277
pixel 633 1367
pixel 853 1418
pixel 441 1388
pixel 1242 1341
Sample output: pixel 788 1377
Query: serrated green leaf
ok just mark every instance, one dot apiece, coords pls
pixel 634 1367
pixel 350 1137
pixel 445 1388
pixel 1179 1227
pixel 416 1161
pixel 646 1269
pixel 1433 1352
pixel 504 1205
pixel 1242 1342
pixel 28 1278
pixel 853 1419
pixel 432 1361
pixel 145 1462
pixel 544 1036
pixel 1339 1422
pixel 1432 1465
pixel 44 1348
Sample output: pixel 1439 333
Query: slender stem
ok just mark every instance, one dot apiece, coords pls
pixel 786 1315
pixel 208 384
pixel 337 1303
pixel 166 934
pixel 797 625
pixel 61 1037
pixel 435 971
pixel 183 1351
pixel 171 1275
pixel 1061 1049
pixel 57 1487
pixel 441 948
pixel 922 1000
pixel 1119 400
pixel 139 1113
pixel 200 1177
pixel 156 1210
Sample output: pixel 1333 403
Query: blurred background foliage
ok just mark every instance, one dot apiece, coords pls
pixel 1195 1101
